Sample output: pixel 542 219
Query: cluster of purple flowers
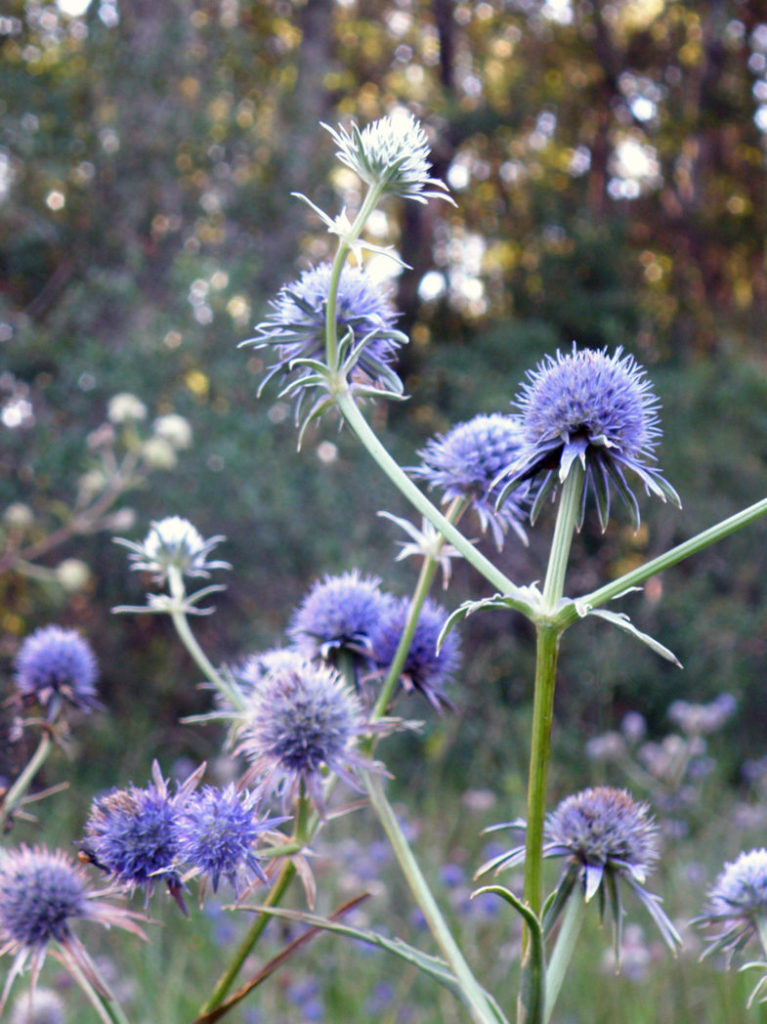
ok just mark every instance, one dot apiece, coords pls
pixel 305 707
pixel 143 836
pixel 348 622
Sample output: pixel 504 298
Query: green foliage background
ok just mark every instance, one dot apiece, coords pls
pixel 149 157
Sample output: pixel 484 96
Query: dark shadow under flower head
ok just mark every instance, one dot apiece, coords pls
pixel 339 614
pixel 392 152
pixel 303 718
pixel 54 664
pixel 295 329
pixel 466 463
pixel 133 833
pixel 737 904
pixel 41 894
pixel 426 669
pixel 606 838
pixel 175 543
pixel 217 830
pixel 596 409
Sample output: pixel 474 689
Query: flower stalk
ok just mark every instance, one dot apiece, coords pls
pixel 17 791
pixel 562 954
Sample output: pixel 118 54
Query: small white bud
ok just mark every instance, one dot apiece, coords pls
pixel 174 429
pixel 158 454
pixel 73 575
pixel 125 408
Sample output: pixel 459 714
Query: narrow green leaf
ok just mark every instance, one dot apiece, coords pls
pixel 622 621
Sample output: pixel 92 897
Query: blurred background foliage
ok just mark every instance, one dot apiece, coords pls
pixel 608 161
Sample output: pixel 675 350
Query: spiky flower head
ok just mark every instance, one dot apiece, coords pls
pixel 466 463
pixel 303 718
pixel 606 838
pixel 173 543
pixel 592 408
pixel 603 829
pixel 425 668
pixel 339 615
pixel 295 328
pixel 737 904
pixel 392 153
pixel 41 894
pixel 133 833
pixel 217 830
pixel 55 664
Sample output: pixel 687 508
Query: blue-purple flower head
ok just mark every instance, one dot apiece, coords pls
pixel 391 153
pixel 339 616
pixel 55 664
pixel 217 831
pixel 598 410
pixel 295 328
pixel 41 894
pixel 466 463
pixel 737 904
pixel 302 720
pixel 175 544
pixel 133 834
pixel 607 839
pixel 426 669
pixel 603 830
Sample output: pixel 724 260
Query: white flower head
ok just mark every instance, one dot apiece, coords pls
pixel 175 543
pixel 125 408
pixel 392 152
pixel 174 429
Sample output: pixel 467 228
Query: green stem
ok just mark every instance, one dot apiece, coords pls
pixel 426 575
pixel 547 650
pixel 677 554
pixel 405 485
pixel 16 793
pixel 567 516
pixel 561 956
pixel 331 323
pixel 188 639
pixel 109 1010
pixel 476 998
pixel 226 980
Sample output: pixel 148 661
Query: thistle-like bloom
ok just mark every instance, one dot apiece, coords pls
pixel 595 409
pixel 41 894
pixel 339 614
pixel 392 153
pixel 173 543
pixel 295 329
pixel 133 834
pixel 737 904
pixel 54 664
pixel 303 719
pixel 217 830
pixel 466 462
pixel 425 669
pixel 607 838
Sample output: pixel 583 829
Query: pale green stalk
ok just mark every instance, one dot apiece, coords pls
pixel 476 998
pixel 405 485
pixel 569 930
pixel 547 650
pixel 247 944
pixel 426 575
pixel 109 1010
pixel 676 554
pixel 331 324
pixel 15 794
pixel 188 639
